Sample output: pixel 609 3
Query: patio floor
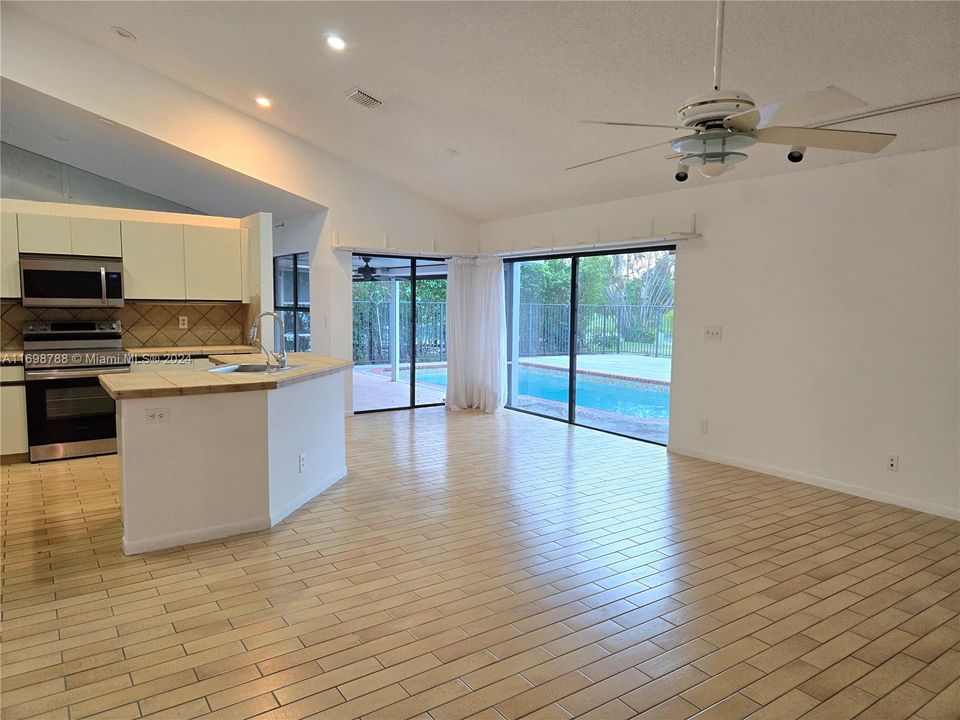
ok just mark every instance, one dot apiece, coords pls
pixel 373 391
pixel 636 366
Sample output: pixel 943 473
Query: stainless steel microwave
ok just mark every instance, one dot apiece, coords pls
pixel 70 281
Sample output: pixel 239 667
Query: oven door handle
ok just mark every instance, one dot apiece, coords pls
pixel 67 374
pixel 103 284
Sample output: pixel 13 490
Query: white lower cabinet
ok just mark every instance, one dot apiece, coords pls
pixel 13 412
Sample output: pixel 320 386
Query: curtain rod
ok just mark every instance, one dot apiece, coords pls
pixel 637 242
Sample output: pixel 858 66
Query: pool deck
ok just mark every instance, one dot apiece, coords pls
pixel 374 391
pixel 623 364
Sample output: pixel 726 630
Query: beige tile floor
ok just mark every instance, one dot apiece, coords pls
pixel 490 566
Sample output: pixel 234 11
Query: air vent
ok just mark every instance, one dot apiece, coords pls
pixel 362 98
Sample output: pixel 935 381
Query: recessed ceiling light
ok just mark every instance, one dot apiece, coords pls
pixel 335 41
pixel 123 32
pixel 263 102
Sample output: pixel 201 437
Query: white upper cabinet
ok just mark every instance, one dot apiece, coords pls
pixel 213 262
pixel 89 236
pixel 44 234
pixel 161 261
pixel 9 256
pixel 153 261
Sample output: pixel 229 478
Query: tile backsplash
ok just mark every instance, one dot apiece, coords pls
pixel 143 324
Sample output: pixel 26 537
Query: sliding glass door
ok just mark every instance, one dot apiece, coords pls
pixel 538 329
pixel 399 332
pixel 591 337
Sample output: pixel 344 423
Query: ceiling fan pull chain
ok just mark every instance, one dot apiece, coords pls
pixel 718 46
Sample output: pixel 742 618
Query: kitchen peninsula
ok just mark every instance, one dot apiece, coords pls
pixel 207 454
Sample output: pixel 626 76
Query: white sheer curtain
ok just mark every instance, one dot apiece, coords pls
pixel 476 334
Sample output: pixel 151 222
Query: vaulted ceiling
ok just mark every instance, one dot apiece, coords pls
pixel 481 100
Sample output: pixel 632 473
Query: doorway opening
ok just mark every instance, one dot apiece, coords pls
pixel 399 332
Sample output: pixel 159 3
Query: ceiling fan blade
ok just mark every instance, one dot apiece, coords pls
pixel 803 109
pixel 611 157
pixel 630 124
pixel 854 141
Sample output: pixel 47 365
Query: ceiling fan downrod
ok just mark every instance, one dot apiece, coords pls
pixel 718 46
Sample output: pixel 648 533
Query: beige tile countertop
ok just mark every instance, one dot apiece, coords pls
pixel 202 382
pixel 190 350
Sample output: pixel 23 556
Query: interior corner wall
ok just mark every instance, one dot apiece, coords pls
pixel 838 290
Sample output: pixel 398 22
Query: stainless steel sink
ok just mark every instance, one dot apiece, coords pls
pixel 250 368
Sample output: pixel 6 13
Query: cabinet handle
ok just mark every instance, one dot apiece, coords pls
pixel 103 285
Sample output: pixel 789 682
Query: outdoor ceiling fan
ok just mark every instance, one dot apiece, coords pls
pixel 366 272
pixel 726 123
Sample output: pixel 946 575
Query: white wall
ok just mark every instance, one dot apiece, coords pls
pixel 839 295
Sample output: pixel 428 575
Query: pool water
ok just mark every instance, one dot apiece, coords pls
pixel 613 396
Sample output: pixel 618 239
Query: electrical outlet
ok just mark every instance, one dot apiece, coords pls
pixel 713 332
pixel 703 426
pixel 893 463
pixel 158 415
pixel 303 461
pixel 183 322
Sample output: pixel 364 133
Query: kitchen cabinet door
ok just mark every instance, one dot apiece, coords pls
pixel 212 261
pixel 153 261
pixel 44 234
pixel 13 412
pixel 9 256
pixel 89 236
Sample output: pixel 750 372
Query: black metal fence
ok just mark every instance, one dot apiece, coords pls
pixel 544 329
pixel 371 332
pixel 601 329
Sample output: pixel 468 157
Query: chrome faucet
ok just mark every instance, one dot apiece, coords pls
pixel 279 357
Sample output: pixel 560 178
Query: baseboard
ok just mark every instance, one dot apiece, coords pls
pixel 307 495
pixel 186 537
pixel 952 513
pixel 14 458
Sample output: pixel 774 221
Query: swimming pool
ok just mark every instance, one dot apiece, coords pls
pixel 612 395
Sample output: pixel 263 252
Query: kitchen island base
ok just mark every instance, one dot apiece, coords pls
pixel 197 467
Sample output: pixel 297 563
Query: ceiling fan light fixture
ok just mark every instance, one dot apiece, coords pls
pixel 715 170
pixel 714 141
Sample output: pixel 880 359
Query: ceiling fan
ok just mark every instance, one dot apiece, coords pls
pixel 725 123
pixel 366 272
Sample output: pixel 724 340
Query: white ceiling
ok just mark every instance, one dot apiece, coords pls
pixel 503 84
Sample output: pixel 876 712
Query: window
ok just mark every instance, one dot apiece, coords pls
pixel 291 299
